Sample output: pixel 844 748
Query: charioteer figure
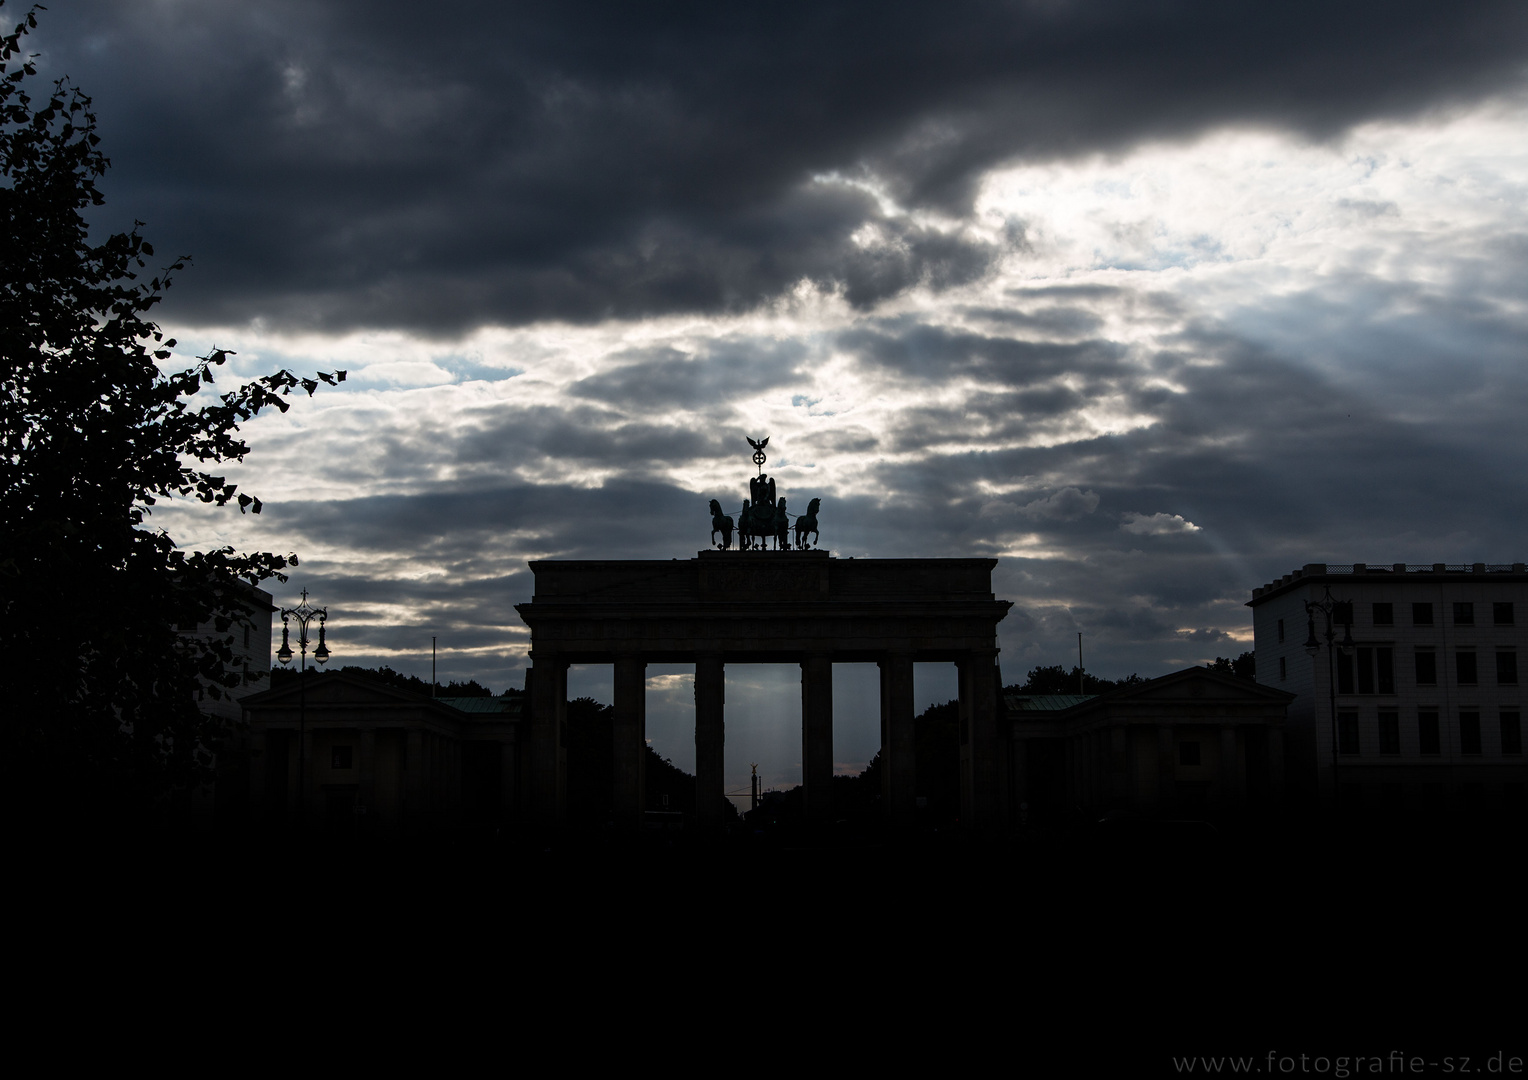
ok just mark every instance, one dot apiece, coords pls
pixel 764 515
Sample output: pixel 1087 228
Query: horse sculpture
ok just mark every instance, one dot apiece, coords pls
pixel 764 517
pixel 807 523
pixel 720 523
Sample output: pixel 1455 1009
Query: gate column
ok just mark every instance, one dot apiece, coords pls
pixel 629 740
pixel 549 754
pixel 817 735
pixel 710 740
pixel 979 765
pixel 899 766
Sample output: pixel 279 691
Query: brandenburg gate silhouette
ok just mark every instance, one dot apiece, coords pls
pixel 783 606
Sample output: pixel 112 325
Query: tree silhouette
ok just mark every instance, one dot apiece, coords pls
pixel 1056 679
pixel 1243 667
pixel 99 683
pixel 399 681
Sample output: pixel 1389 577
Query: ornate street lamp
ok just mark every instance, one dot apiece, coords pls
pixel 1327 607
pixel 303 613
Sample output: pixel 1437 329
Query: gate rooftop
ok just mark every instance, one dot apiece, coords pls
pixel 762 606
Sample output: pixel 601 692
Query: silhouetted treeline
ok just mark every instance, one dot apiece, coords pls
pixel 1243 667
pixel 399 681
pixel 1055 679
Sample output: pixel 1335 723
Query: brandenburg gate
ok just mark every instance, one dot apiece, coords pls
pixel 758 606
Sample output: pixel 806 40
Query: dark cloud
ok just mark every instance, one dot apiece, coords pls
pixel 916 348
pixel 456 531
pixel 344 164
pixel 663 378
pixel 1050 321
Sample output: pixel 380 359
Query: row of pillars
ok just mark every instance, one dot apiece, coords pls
pixel 981 772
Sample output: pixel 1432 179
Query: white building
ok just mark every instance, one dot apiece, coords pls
pixel 250 638
pixel 1424 706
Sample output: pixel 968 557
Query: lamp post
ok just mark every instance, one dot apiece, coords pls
pixel 303 613
pixel 1327 607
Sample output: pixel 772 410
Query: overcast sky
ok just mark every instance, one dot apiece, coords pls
pixel 1152 301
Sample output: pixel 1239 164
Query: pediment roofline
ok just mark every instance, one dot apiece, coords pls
pixel 336 686
pixel 1208 682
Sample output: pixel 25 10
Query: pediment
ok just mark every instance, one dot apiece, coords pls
pixel 332 689
pixel 1201 684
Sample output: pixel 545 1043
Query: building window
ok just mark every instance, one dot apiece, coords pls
pixel 1384 670
pixel 339 757
pixel 1188 753
pixel 1283 669
pixel 1464 668
pixel 1427 667
pixel 1511 733
pixel 1384 614
pixel 1464 613
pixel 1281 631
pixel 246 637
pixel 1347 733
pixel 1366 671
pixel 1342 613
pixel 1389 733
pixel 1469 733
pixel 1427 732
pixel 1344 673
pixel 1501 614
pixel 1421 615
pixel 1506 668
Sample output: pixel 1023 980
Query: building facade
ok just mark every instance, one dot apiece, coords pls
pixel 1422 710
pixel 1196 743
pixel 250 639
pixel 346 755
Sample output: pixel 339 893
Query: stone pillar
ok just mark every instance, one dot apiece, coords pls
pixel 1167 767
pixel 629 740
pixel 1133 795
pixel 710 740
pixel 548 750
pixel 1089 770
pixel 427 803
pixel 1018 784
pixel 1276 764
pixel 308 809
pixel 413 781
pixel 258 810
pixel 979 765
pixel 509 777
pixel 455 762
pixel 898 746
pixel 1118 741
pixel 817 736
pixel 367 769
pixel 1230 775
